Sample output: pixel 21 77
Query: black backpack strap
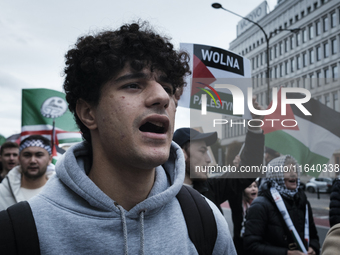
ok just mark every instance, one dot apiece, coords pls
pixel 18 232
pixel 199 218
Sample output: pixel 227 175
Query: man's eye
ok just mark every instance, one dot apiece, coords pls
pixel 132 86
pixel 168 90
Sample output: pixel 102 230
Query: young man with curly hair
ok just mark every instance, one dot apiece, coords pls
pixel 115 193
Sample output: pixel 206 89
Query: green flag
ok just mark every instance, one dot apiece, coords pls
pixel 42 107
pixel 2 139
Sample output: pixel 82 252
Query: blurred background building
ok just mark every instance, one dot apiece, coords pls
pixel 307 58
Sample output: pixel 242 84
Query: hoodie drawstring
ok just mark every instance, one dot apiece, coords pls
pixel 141 229
pixel 122 216
pixel 141 221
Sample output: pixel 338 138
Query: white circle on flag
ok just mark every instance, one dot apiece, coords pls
pixel 53 107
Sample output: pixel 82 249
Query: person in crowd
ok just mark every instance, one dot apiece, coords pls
pixel 280 219
pixel 226 188
pixel 9 157
pixel 249 194
pixel 27 179
pixel 334 205
pixel 270 154
pixel 115 193
pixel 331 245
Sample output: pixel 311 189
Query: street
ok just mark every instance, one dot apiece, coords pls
pixel 320 207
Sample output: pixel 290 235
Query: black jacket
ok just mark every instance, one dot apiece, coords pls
pixel 219 190
pixel 266 232
pixel 334 206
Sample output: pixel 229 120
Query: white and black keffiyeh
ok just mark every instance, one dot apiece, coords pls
pixel 35 143
pixel 275 175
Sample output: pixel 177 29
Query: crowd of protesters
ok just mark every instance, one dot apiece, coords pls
pixel 117 191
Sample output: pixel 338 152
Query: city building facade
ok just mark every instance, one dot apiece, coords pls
pixel 307 58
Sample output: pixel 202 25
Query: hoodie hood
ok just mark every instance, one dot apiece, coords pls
pixel 73 167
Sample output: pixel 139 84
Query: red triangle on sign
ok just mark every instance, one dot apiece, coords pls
pixel 200 74
pixel 273 122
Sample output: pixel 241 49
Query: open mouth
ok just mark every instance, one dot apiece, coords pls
pixel 153 127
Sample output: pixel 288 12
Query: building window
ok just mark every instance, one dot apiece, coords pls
pixel 309 9
pixel 334 72
pixel 311 56
pixel 315 5
pixel 311 31
pixel 275 51
pixel 334 46
pixel 311 80
pixel 292 65
pixel 275 72
pixel 281 70
pixel 326 50
pixel 304 59
pixel 298 64
pixel 298 39
pixel 304 35
pixel 286 45
pixel 318 78
pixel 261 59
pixel 292 42
pixel 325 24
pixel 317 27
pixel 296 18
pixel 304 81
pixel 333 19
pixel 286 67
pixel 336 101
pixel 327 100
pixel 271 53
pixel 281 48
pixel 298 83
pixel 318 53
pixel 326 75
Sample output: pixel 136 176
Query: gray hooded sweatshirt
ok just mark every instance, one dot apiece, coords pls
pixel 73 216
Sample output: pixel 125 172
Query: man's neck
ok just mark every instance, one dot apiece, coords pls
pixel 127 187
pixel 30 183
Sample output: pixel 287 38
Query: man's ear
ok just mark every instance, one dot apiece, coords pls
pixel 86 114
pixel 50 159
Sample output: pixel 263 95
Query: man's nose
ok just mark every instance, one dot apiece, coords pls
pixel 157 96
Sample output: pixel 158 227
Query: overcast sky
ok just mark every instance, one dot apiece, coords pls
pixel 36 34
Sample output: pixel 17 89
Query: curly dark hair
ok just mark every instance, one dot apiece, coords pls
pixel 96 59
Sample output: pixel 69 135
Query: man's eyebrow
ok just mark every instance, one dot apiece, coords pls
pixel 164 78
pixel 130 76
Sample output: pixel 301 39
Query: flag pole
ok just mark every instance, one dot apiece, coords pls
pixel 54 151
